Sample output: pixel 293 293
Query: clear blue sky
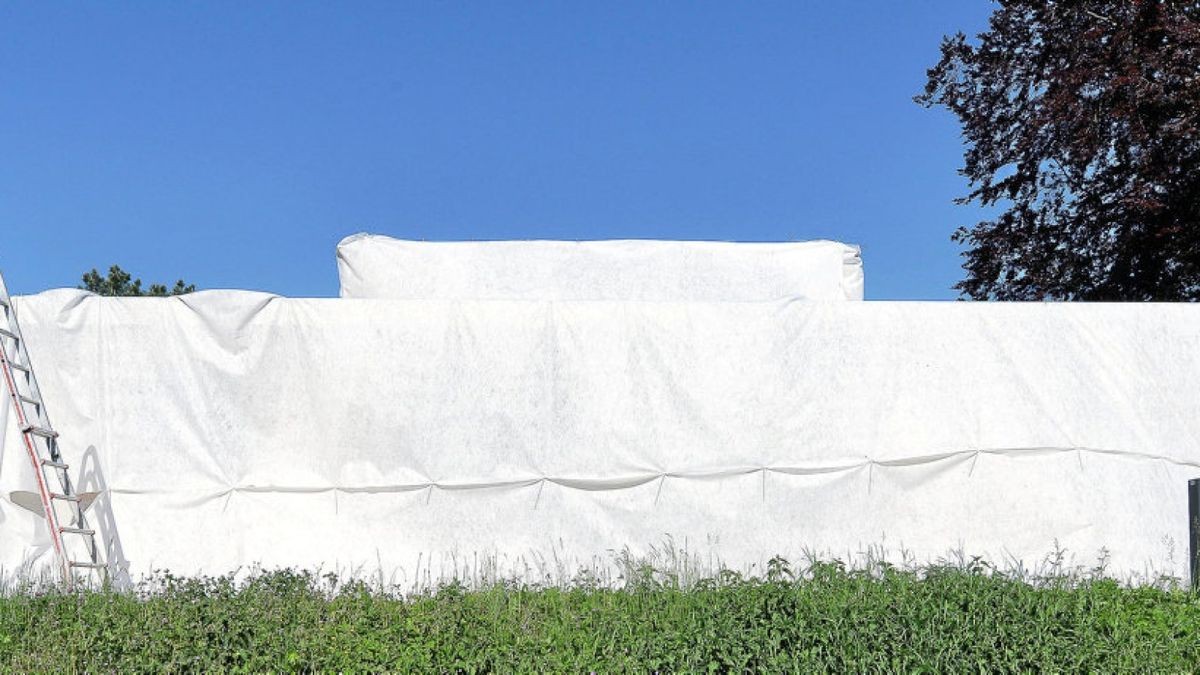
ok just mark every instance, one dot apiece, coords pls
pixel 234 144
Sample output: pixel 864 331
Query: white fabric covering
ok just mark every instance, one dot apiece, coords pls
pixel 417 437
pixel 374 266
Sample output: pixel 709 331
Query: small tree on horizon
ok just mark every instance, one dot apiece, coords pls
pixel 121 283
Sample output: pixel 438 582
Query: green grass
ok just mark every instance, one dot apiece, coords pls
pixel 937 619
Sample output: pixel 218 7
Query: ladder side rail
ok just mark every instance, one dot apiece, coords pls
pixel 22 357
pixel 43 421
pixel 51 443
pixel 33 394
pixel 30 447
pixel 35 391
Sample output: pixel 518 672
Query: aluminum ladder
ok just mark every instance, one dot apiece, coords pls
pixel 41 443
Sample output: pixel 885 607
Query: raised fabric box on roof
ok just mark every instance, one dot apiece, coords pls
pixel 374 266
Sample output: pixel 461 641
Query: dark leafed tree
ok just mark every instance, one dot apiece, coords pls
pixel 1082 129
pixel 121 283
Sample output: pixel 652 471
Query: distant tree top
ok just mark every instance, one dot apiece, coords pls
pixel 121 283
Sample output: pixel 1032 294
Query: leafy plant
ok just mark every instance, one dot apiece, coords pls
pixel 819 617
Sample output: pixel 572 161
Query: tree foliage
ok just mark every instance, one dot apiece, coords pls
pixel 1082 129
pixel 121 283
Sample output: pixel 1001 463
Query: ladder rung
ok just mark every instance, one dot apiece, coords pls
pixel 76 530
pixel 65 498
pixel 91 565
pixel 9 334
pixel 53 464
pixel 19 366
pixel 27 399
pixel 40 431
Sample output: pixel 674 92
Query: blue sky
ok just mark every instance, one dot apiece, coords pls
pixel 234 144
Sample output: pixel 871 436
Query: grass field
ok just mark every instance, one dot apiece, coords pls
pixel 937 619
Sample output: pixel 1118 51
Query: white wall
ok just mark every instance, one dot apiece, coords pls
pixel 405 436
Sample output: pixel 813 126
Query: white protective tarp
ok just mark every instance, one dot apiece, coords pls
pixel 374 266
pixel 414 439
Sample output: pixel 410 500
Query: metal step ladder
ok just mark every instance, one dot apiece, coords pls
pixel 74 542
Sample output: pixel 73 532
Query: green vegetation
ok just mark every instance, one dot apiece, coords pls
pixel 121 283
pixel 941 619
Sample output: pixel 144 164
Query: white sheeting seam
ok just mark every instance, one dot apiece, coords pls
pixel 636 480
